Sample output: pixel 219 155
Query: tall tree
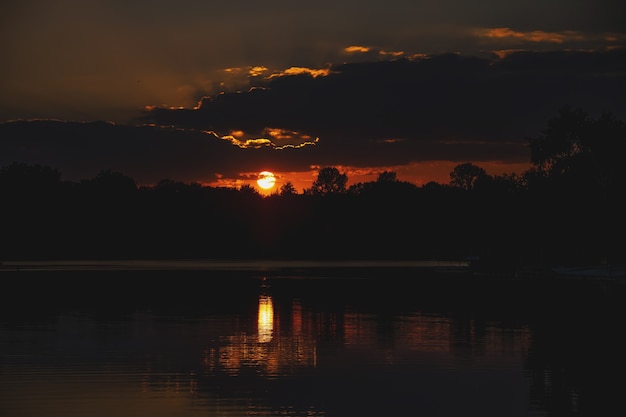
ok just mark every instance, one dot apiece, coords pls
pixel 466 176
pixel 329 181
pixel 28 179
pixel 578 161
pixel 109 183
pixel 387 176
pixel 288 189
pixel 577 149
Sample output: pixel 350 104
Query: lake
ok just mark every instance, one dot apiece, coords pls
pixel 305 339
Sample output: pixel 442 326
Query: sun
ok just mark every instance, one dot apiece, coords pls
pixel 266 180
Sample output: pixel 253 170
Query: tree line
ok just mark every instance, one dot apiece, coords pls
pixel 568 208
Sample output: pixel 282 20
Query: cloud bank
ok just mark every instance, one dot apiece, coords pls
pixel 365 115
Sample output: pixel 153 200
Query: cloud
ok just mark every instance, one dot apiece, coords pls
pixel 103 59
pixel 532 36
pixel 500 99
pixel 357 49
pixel 570 39
pixel 367 116
pixel 81 150
pixel 274 138
pixel 301 71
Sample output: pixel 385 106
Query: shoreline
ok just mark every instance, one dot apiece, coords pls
pixel 306 267
pixel 226 265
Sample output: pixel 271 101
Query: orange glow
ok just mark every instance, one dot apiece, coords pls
pixel 391 53
pixel 532 36
pixel 277 139
pixel 237 133
pixel 502 53
pixel 265 319
pixel 257 71
pixel 300 180
pixel 248 143
pixel 266 180
pixel 421 173
pixel 418 173
pixel 302 70
pixel 355 48
pixel 281 133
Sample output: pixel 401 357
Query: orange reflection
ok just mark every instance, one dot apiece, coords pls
pixel 265 319
pixel 287 339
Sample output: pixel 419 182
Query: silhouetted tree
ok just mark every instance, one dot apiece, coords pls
pixel 499 185
pixel 287 189
pixel 329 181
pixel 466 176
pixel 582 152
pixel 109 183
pixel 561 141
pixel 434 186
pixel 33 202
pixel 553 213
pixel 579 162
pixel 387 176
pixel 171 186
pixel 23 178
pixel 607 147
pixel 247 189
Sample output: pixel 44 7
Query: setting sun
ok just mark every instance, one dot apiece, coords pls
pixel 266 180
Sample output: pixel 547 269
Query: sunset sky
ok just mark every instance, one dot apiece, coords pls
pixel 416 86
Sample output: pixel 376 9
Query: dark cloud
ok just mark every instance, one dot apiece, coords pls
pixel 427 107
pixel 81 150
pixel 146 153
pixel 82 59
pixel 446 107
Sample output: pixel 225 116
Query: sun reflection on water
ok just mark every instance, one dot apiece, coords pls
pixel 265 319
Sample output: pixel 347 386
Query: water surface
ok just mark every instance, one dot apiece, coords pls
pixel 297 342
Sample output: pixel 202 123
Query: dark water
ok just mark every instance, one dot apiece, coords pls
pixel 377 342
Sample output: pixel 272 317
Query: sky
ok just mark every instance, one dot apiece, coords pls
pixel 215 92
